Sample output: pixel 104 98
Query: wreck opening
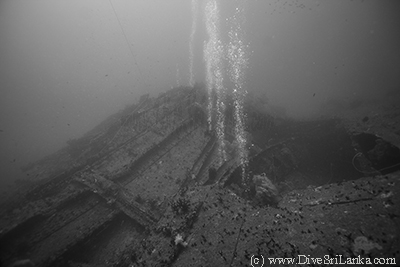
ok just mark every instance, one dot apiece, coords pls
pixel 382 155
pixel 297 154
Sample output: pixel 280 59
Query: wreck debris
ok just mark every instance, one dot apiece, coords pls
pixel 266 192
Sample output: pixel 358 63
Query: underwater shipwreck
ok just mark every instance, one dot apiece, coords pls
pixel 146 187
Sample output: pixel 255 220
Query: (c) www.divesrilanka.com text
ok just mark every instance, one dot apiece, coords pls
pixel 326 260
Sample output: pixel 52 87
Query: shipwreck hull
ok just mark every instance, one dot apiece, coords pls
pixel 120 195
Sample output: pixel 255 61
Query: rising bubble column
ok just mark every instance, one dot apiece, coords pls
pixel 237 66
pixel 192 34
pixel 213 53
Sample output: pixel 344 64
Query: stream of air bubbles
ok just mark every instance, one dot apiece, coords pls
pixel 215 54
pixel 238 63
pixel 192 34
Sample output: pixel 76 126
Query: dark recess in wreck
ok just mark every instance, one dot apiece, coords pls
pixel 384 157
pixel 315 153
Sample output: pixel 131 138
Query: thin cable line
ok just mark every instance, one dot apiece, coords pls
pixel 127 42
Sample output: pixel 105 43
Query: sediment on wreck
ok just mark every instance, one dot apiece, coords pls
pixel 115 201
